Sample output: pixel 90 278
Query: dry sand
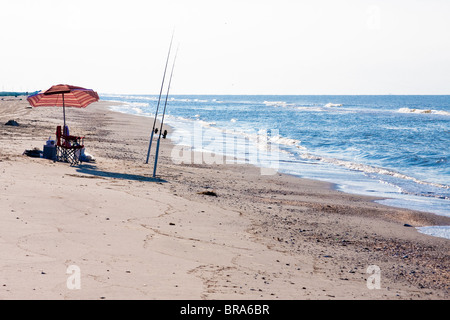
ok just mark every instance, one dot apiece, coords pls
pixel 135 237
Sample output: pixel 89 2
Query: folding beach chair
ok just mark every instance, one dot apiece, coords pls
pixel 68 148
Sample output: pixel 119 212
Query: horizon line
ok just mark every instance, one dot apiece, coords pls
pixel 252 94
pixel 278 94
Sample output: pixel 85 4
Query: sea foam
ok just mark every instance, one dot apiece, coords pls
pixel 436 231
pixel 376 170
pixel 329 105
pixel 424 111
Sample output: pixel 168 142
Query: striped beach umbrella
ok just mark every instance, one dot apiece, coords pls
pixel 64 95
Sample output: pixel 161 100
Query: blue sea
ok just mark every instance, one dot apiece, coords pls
pixel 395 147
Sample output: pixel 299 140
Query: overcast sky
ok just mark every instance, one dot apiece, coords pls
pixel 228 47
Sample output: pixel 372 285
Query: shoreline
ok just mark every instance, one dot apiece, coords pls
pixel 337 186
pixel 403 191
pixel 306 240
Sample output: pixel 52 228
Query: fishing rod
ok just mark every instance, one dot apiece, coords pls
pixel 159 99
pixel 164 113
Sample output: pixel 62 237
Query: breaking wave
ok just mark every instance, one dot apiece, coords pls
pixel 425 111
pixel 368 169
pixel 329 105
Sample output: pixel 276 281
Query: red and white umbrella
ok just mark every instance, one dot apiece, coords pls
pixel 63 95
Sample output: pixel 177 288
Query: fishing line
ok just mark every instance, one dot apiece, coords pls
pixel 159 99
pixel 164 113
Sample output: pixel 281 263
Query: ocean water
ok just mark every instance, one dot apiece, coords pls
pixel 396 147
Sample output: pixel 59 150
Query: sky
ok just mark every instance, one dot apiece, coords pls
pixel 298 47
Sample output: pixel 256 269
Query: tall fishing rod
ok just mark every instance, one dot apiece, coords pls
pixel 159 99
pixel 164 113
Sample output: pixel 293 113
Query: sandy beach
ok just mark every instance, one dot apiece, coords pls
pixel 130 236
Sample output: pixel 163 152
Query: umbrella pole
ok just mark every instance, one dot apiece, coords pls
pixel 159 99
pixel 64 113
pixel 162 120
